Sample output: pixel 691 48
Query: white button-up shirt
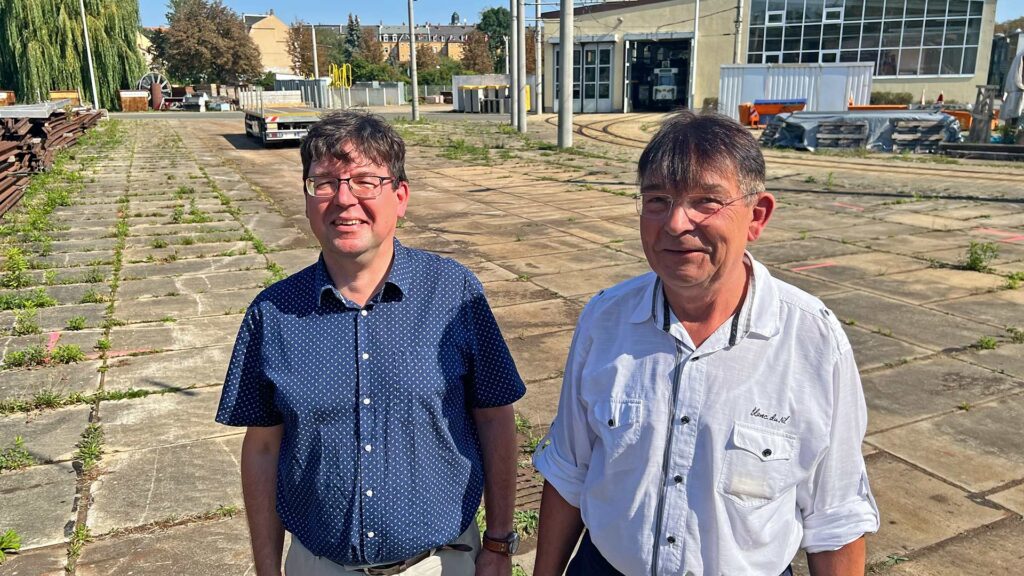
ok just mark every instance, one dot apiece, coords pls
pixel 725 459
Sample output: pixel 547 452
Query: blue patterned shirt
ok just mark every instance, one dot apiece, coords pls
pixel 379 458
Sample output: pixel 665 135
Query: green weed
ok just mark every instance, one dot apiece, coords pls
pixel 67 354
pixel 15 269
pixel 10 541
pixel 76 323
pixel 979 254
pixel 26 322
pixel 986 343
pixel 526 522
pixel 31 356
pixel 90 447
pixel 92 296
pixel 37 298
pixel 16 457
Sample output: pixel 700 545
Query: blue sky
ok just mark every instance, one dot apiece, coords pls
pixel 395 11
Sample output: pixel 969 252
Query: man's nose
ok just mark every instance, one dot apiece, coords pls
pixel 678 220
pixel 344 196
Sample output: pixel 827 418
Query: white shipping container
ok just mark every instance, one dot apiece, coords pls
pixel 826 87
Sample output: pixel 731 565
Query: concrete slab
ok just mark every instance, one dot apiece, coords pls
pixel 590 281
pixel 488 272
pixel 930 221
pixel 541 357
pixel 155 484
pixel 39 503
pixel 207 265
pixel 931 285
pixel 48 561
pixel 874 350
pixel 856 266
pixel 919 326
pixel 21 383
pixel 533 318
pixel 1012 498
pixel 55 318
pixel 225 550
pixel 918 510
pixel 180 335
pixel 528 248
pixel 162 420
pixel 512 292
pixel 802 250
pixel 919 243
pixel 49 435
pixel 566 262
pixel 865 232
pixel 216 282
pixel 1003 308
pixel 928 388
pixel 186 306
pixel 969 448
pixel 988 550
pixel 814 286
pixel 293 261
pixel 1006 359
pixel 195 367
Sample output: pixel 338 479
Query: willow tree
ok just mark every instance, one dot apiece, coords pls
pixel 42 47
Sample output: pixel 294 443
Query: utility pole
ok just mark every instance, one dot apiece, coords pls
pixel 566 43
pixel 412 67
pixel 739 33
pixel 316 62
pixel 521 60
pixel 693 55
pixel 538 72
pixel 88 53
pixel 505 38
pixel 513 71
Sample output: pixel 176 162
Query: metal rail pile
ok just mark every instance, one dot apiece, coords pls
pixel 31 136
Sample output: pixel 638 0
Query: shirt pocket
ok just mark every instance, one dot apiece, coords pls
pixel 758 465
pixel 618 423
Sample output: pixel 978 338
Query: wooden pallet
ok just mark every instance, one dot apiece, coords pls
pixel 918 136
pixel 842 134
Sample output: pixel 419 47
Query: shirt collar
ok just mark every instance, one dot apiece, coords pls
pixel 398 280
pixel 759 313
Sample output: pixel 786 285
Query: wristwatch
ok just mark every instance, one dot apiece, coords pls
pixel 506 546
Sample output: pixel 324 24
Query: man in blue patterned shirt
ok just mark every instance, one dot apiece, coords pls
pixel 375 387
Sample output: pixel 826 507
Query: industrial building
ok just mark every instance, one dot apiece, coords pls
pixel 656 55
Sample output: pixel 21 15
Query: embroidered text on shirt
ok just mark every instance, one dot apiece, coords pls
pixel 756 413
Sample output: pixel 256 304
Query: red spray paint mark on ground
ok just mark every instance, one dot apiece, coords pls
pixel 812 266
pixel 54 337
pixel 1012 238
pixel 995 232
pixel 850 206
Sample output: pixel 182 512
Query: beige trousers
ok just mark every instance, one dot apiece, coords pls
pixel 302 562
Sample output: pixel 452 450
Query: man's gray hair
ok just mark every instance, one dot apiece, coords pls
pixel 689 145
pixel 367 133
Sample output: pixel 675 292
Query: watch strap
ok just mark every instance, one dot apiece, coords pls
pixel 503 546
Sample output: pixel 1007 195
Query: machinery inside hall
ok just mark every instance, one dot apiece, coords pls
pixel 658 75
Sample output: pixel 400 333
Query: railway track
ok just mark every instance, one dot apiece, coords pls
pixel 601 130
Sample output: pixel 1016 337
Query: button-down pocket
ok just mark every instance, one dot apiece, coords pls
pixel 758 464
pixel 618 423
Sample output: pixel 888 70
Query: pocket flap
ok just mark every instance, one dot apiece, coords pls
pixel 614 413
pixel 765 444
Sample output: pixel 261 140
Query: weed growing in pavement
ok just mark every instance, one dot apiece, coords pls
pixel 183 192
pixel 168 319
pixel 90 447
pixel 16 457
pixel 195 215
pixel 93 276
pixel 1013 280
pixel 523 425
pixel 10 541
pixel 67 354
pixel 31 356
pixel 226 511
pixel 525 522
pixel 91 296
pixel 979 254
pixel 986 343
pixel 75 323
pixel 158 243
pixel 26 322
pixel 79 537
pixel 15 269
pixel 459 149
pixel 518 570
pixel 37 298
pixel 178 215
pixel 187 241
pixel 965 406
pixel 276 274
pixel 1016 335
pixel 830 181
pixel 103 344
pixel 810 180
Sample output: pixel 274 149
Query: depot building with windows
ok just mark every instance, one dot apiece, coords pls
pixel 648 55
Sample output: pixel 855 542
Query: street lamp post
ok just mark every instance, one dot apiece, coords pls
pixel 88 52
pixel 565 42
pixel 412 67
pixel 521 70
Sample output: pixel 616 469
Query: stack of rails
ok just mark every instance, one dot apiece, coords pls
pixel 31 136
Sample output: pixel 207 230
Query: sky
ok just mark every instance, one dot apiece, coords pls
pixel 396 11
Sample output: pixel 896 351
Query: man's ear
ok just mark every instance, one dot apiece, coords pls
pixel 402 194
pixel 764 206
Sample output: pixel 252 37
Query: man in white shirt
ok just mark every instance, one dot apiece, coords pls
pixel 711 416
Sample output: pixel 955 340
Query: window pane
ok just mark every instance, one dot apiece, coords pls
pixel 854 9
pixel 848 56
pixel 973 31
pixel 791 58
pixel 603 91
pixel 590 74
pixel 933 30
pixel 794 11
pixel 887 60
pixel 776 5
pixel 851 36
pixel 606 56
pixel 956 31
pixel 869 56
pixel 756 43
pixel 604 74
pixel 936 9
pixel 909 59
pixel 915 8
pixel 812 38
pixel 757 12
pixel 589 91
pixel 792 39
pixel 912 33
pixel 970 59
pixel 930 60
pixel 773 39
pixel 814 10
pixel 977 8
pixel 891 34
pixel 590 56
pixel 830 37
pixel 872 35
pixel 951 59
pixel 894 8
pixel 958 7
pixel 771 58
pixel 754 58
pixel 808 57
pixel 873 9
pixel 827 57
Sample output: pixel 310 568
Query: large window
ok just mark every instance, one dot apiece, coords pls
pixel 900 37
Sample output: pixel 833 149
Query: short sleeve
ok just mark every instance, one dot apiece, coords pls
pixel 837 504
pixel 247 398
pixel 494 379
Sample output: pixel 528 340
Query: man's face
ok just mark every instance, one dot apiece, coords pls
pixel 350 228
pixel 690 248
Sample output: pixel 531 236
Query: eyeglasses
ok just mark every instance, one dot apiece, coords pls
pixel 659 206
pixel 363 187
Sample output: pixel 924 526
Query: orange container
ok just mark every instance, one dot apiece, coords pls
pixel 745 113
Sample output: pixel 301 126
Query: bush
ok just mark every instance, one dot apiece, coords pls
pixel 902 98
pixel 68 354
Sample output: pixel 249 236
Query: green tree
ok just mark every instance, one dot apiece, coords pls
pixel 300 49
pixel 42 47
pixel 1010 25
pixel 442 73
pixel 476 55
pixel 365 71
pixel 206 42
pixel 496 23
pixel 370 48
pixel 353 36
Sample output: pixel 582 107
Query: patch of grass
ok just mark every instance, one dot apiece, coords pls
pixel 276 274
pixel 37 298
pixel 1014 280
pixel 31 356
pixel 226 511
pixel 168 319
pixel 10 542
pixel 830 181
pixel 26 322
pixel 75 323
pixel 1016 335
pixel 195 215
pixel 16 457
pixel 178 215
pixel 90 447
pixel 158 243
pixel 67 354
pixel 183 192
pixel 979 254
pixel 523 278
pixel 93 276
pixel 523 426
pixel 92 296
pixel 459 149
pixel 187 241
pixel 810 180
pixel 986 343
pixel 964 406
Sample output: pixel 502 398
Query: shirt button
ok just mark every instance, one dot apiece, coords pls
pixel 685 419
pixel 363 312
pixel 695 358
pixel 766 452
pixel 369 492
pixel 678 479
pixel 370 534
pixel 671 539
pixel 611 422
pixel 366 356
pixel 368 448
pixel 366 401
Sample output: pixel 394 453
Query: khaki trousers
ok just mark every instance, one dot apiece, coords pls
pixel 302 562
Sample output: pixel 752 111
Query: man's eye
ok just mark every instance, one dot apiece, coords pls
pixel 657 201
pixel 323 184
pixel 364 182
